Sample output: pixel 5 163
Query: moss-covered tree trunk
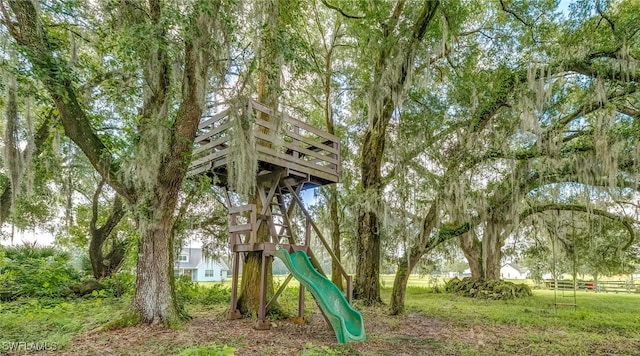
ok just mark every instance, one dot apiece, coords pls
pixel 472 250
pixel 270 58
pixel 249 298
pixel 166 135
pixel 105 264
pixel 399 291
pixel 334 218
pixel 423 244
pixel 367 282
pixel 155 299
pixel 491 251
pixel 334 221
pixel 390 76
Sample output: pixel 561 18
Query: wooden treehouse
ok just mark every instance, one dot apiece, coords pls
pixel 290 158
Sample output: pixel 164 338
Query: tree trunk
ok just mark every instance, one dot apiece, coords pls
pixel 390 78
pixel 154 192
pixel 249 298
pixel 472 250
pixel 155 300
pixel 268 90
pixel 101 264
pixel 491 251
pixel 399 292
pixel 367 283
pixel 336 275
pixel 407 263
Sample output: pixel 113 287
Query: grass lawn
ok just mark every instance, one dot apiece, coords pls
pixel 435 323
pixel 55 321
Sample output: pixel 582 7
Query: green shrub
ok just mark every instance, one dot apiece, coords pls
pixel 490 289
pixel 119 284
pixel 35 272
pixel 209 351
pixel 189 292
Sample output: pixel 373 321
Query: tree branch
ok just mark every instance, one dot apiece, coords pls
pixel 333 7
pixel 625 221
pixel 53 72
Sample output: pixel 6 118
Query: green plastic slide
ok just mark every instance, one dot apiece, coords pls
pixel 346 321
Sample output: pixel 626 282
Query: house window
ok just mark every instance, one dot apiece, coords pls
pixel 208 273
pixel 183 258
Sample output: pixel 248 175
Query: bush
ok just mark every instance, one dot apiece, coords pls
pixel 35 272
pixel 189 292
pixel 495 290
pixel 119 284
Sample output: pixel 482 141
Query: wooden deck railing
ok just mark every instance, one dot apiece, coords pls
pixel 297 146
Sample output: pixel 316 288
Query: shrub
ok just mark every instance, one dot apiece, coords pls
pixel 190 292
pixel 33 271
pixel 490 289
pixel 119 284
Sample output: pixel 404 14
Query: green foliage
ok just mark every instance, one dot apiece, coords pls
pixel 496 290
pixel 312 350
pixel 127 320
pixel 188 292
pixel 55 320
pixel 119 284
pixel 209 351
pixel 35 272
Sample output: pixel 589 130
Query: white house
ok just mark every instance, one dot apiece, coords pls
pixel 191 262
pixel 513 271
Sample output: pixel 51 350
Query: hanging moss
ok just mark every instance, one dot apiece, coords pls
pixel 18 161
pixel 242 166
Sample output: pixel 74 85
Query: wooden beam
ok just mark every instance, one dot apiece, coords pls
pixel 315 228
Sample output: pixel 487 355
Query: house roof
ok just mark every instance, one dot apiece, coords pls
pixel 517 267
pixel 196 259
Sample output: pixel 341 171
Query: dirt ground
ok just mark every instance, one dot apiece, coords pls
pixel 413 334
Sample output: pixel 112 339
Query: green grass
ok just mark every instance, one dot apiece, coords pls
pixel 606 323
pixel 55 320
pixel 596 312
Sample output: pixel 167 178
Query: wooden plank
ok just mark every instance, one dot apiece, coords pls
pixel 272 152
pixel 265 124
pixel 242 208
pixel 312 142
pixel 260 107
pixel 295 167
pixel 240 228
pixel 203 168
pixel 295 148
pixel 214 131
pixel 303 125
pixel 213 119
pixel 211 144
pixel 210 157
pixel 288 118
pixel 220 163
pixel 315 228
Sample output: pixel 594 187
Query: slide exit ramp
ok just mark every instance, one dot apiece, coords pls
pixel 346 322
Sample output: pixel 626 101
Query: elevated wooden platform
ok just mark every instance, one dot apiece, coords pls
pixel 306 153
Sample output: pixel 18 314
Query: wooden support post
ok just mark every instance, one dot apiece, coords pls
pixel 300 318
pixel 315 228
pixel 234 313
pixel 279 291
pixel 307 232
pixel 262 323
